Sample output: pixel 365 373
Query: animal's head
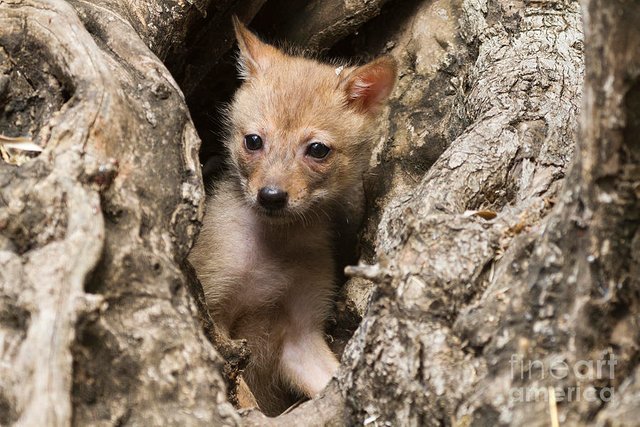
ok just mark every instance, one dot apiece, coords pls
pixel 299 129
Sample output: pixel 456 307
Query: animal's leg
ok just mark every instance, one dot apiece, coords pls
pixel 246 399
pixel 307 362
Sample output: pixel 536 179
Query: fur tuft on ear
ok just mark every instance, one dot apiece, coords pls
pixel 255 56
pixel 368 87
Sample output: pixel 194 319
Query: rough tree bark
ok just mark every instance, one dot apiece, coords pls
pixel 485 247
pixel 97 326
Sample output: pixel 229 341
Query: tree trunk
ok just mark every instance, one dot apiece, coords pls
pixel 96 323
pixel 501 243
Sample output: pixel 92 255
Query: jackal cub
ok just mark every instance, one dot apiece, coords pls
pixel 299 136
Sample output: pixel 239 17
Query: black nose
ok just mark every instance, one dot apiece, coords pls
pixel 272 198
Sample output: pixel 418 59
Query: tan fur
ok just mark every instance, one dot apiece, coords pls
pixel 268 278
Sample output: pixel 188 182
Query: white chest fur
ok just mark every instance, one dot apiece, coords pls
pixel 245 263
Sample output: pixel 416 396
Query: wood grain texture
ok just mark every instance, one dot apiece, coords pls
pixel 108 333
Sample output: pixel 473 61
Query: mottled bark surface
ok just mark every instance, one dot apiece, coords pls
pixel 499 233
pixel 437 253
pixel 97 325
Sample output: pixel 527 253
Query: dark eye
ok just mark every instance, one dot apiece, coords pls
pixel 253 142
pixel 318 150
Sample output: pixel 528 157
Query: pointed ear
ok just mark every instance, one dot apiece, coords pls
pixel 368 87
pixel 255 56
